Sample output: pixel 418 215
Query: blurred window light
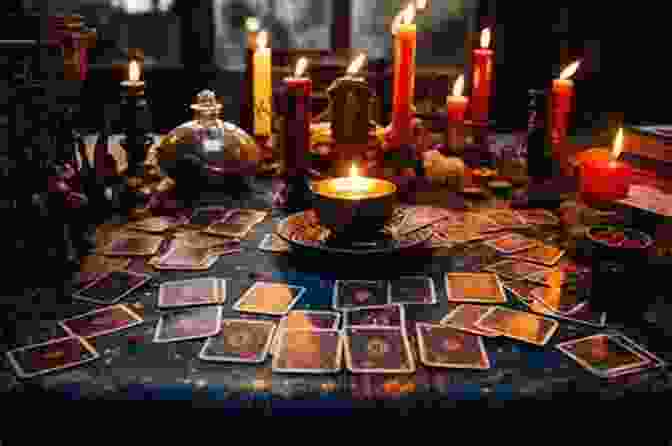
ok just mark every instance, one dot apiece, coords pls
pixel 134 6
pixel 165 5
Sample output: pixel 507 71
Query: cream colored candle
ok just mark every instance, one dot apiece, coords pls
pixel 262 87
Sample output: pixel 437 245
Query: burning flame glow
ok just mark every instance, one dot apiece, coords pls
pixel 262 40
pixel 356 64
pixel 570 70
pixel 354 173
pixel 618 145
pixel 486 35
pixel 458 86
pixel 420 5
pixel 134 71
pixel 252 24
pixel 301 66
pixel 405 17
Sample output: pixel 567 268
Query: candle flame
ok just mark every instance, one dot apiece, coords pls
pixel 458 86
pixel 301 66
pixel 262 40
pixel 408 14
pixel 420 5
pixel 354 173
pixel 356 64
pixel 403 18
pixel 618 145
pixel 134 71
pixel 570 70
pixel 252 24
pixel 486 36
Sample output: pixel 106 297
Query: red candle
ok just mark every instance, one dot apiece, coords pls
pixel 606 179
pixel 563 93
pixel 480 101
pixel 404 75
pixel 456 106
pixel 297 119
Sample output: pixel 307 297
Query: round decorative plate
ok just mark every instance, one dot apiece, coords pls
pixel 303 230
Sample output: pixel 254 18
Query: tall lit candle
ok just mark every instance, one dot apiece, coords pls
pixel 349 97
pixel 134 85
pixel 563 92
pixel 262 87
pixel 456 106
pixel 482 78
pixel 405 32
pixel 296 125
pixel 246 104
pixel 606 179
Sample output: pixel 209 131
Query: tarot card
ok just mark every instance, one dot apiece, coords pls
pixel 411 290
pixel 603 354
pixel 420 216
pixel 133 245
pixel 184 293
pixel 102 264
pixel 241 340
pixel 582 315
pixel 397 220
pixel 198 239
pixel 464 318
pixel 359 293
pixel 209 261
pixel 443 346
pixel 514 269
pixel 559 299
pixel 182 256
pixel 275 299
pixel 511 243
pixel 474 287
pixel 306 319
pixel 457 235
pixel 655 363
pixel 205 216
pixel 507 219
pixel 475 222
pixel 237 224
pixel 519 325
pixel 274 243
pixel 192 323
pixel 111 287
pixel 57 354
pixel 543 254
pixel 308 351
pixel 101 322
pixel 377 316
pixel 154 224
pixel 378 350
pixel 540 217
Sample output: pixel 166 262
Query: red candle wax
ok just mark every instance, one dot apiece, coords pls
pixel 404 83
pixel 563 92
pixel 480 101
pixel 604 180
pixel 457 108
pixel 297 123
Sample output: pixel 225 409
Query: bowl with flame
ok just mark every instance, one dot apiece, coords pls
pixel 355 206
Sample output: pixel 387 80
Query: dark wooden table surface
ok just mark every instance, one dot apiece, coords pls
pixel 173 371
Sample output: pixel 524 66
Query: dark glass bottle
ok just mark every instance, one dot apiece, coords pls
pixel 540 162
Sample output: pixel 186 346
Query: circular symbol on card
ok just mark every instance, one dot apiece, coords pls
pixel 362 295
pixel 239 339
pixel 600 350
pixel 451 344
pixel 377 347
